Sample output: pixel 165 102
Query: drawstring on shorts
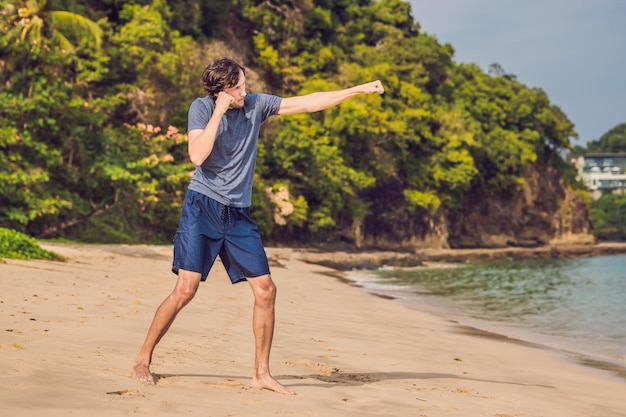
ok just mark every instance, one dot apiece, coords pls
pixel 229 214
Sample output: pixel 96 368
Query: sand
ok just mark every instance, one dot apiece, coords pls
pixel 71 330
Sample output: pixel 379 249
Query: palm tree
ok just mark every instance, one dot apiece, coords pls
pixel 58 26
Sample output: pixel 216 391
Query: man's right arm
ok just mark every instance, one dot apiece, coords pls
pixel 200 141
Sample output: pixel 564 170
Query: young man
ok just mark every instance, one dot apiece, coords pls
pixel 223 132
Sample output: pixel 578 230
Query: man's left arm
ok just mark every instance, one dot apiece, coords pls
pixel 322 100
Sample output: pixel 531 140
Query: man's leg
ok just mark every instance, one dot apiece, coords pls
pixel 263 326
pixel 183 292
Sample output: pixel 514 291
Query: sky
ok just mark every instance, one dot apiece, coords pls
pixel 574 50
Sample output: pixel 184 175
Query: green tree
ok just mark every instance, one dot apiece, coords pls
pixel 609 217
pixel 82 154
pixel 67 161
pixel 41 106
pixel 156 68
pixel 143 171
pixel 613 141
pixel 67 30
pixel 513 126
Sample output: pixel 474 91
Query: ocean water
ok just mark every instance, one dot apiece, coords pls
pixel 577 306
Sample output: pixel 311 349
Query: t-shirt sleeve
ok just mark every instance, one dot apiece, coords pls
pixel 270 104
pixel 199 114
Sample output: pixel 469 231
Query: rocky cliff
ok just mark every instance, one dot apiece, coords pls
pixel 544 211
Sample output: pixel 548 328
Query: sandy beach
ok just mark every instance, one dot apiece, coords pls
pixel 71 330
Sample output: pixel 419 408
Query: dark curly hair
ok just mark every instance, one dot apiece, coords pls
pixel 221 74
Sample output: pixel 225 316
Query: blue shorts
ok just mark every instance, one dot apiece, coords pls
pixel 208 228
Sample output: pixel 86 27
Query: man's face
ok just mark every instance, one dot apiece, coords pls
pixel 238 92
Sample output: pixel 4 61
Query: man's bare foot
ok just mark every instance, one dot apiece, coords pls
pixel 268 382
pixel 142 373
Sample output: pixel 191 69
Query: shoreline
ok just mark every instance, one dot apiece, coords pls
pixel 72 330
pixel 353 262
pixel 345 259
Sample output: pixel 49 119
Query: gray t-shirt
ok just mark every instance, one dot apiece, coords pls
pixel 227 174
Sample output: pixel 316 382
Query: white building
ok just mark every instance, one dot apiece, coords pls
pixel 602 172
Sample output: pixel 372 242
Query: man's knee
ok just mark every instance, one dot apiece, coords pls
pixel 184 294
pixel 264 290
pixel 186 286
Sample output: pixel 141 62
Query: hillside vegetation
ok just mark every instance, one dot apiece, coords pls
pixel 94 97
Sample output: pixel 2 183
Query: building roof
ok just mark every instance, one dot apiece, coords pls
pixel 605 155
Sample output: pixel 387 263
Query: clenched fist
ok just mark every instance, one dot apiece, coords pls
pixel 374 87
pixel 223 101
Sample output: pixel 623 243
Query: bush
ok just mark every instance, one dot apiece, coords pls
pixel 16 245
pixel 609 217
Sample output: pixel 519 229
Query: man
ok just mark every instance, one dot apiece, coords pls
pixel 222 134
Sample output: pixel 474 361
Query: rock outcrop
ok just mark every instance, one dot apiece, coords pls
pixel 544 211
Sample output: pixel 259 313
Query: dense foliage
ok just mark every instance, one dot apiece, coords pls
pixel 609 217
pixel 93 97
pixel 613 141
pixel 16 245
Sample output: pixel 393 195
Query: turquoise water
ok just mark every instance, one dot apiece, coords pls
pixel 577 305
